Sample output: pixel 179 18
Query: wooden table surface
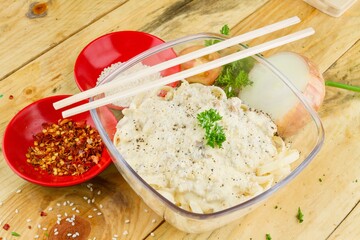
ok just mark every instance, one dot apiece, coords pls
pixel 37 56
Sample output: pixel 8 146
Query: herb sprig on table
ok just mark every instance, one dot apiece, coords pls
pixel 214 133
pixel 300 216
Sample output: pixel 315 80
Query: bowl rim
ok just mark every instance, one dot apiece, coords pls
pixel 10 163
pixel 250 202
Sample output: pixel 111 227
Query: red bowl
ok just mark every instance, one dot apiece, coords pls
pixel 113 48
pixel 18 137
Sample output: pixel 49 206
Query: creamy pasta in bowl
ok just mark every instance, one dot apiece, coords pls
pixel 199 157
pixel 186 171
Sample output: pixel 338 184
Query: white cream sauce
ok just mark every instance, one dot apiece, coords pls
pixel 162 140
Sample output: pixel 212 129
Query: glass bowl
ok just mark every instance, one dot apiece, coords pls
pixel 307 139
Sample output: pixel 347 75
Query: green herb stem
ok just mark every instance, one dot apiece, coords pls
pixel 342 85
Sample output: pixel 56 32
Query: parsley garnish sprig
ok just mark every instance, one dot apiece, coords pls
pixel 234 76
pixel 214 133
pixel 225 30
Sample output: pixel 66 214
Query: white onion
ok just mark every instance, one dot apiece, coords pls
pixel 269 94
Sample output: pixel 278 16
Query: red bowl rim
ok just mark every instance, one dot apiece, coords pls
pixel 74 180
pixel 81 88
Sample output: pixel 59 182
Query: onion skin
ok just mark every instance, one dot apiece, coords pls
pixel 314 92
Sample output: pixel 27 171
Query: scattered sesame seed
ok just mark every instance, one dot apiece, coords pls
pixel 18 191
pixel 153 221
pixel 44 228
pixel 77 211
pixel 85 198
pixel 65 214
pixel 125 233
pixel 39 226
pixel 64 204
pixel 90 216
pixel 59 215
pixel 16 211
pixel 1 203
pixel 127 221
pixel 93 200
pixel 69 234
pixel 145 210
pixel 101 206
pixel 56 233
pixel 58 204
pixel 95 209
pixel 74 208
pixel 116 236
pixel 99 213
pixel 36 236
pixel 71 204
pixel 99 192
pixel 28 220
pixel 152 234
pixel 50 208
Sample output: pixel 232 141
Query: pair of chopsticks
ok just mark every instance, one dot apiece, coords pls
pixel 183 74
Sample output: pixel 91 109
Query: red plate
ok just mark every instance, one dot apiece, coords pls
pixel 18 137
pixel 113 48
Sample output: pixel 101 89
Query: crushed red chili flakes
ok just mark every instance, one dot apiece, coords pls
pixel 6 226
pixel 66 148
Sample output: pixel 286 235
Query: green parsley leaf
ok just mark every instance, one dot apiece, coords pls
pixel 214 133
pixel 225 30
pixel 268 237
pixel 234 76
pixel 300 216
pixel 15 234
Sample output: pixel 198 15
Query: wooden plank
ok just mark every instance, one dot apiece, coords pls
pixel 349 229
pixel 328 189
pixel 324 47
pixel 22 39
pixel 52 73
pixel 346 70
pixel 103 208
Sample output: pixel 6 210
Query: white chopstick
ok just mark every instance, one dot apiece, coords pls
pixel 119 80
pixel 191 72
